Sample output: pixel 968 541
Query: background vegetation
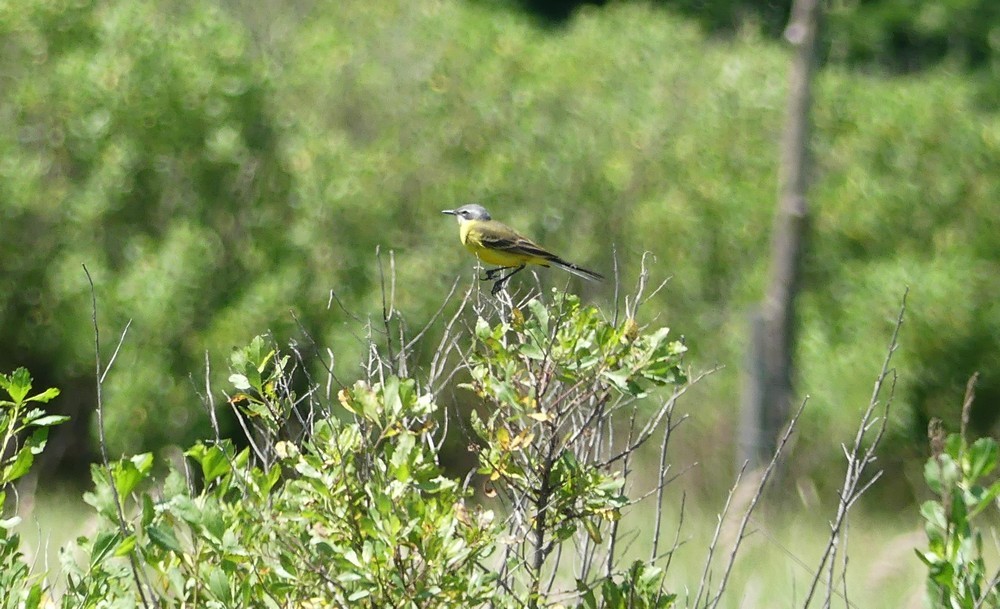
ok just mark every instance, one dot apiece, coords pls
pixel 219 167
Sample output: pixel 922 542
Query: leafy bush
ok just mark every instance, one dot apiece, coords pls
pixel 24 429
pixel 346 504
pixel 216 169
pixel 358 515
pixel 959 474
pixel 552 380
pixel 339 498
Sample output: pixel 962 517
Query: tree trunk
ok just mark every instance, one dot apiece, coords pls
pixel 767 390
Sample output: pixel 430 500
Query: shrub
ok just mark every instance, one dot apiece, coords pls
pixel 24 429
pixel 343 501
pixel 959 473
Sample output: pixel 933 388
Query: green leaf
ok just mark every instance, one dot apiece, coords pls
pixel 593 530
pixel 9 523
pixel 482 329
pixel 239 381
pixel 587 596
pixel 982 458
pixel 943 573
pixel 148 510
pixel 933 513
pixel 437 484
pixel 164 538
pixel 45 396
pixel 941 473
pixel 102 546
pixel 34 598
pixel 478 425
pixel 305 467
pixel 930 559
pixel 218 583
pixel 50 420
pixel 36 441
pixel 371 405
pixel 19 467
pixel 128 474
pixel 959 509
pixel 17 385
pixel 265 360
pixel 126 546
pixel 267 479
pixel 214 463
pixel 187 510
pixel 953 446
pixel 399 463
pixel 390 396
pixel 539 315
pixel 984 497
pixel 612 595
pixel 936 524
pixel 532 351
pixel 618 378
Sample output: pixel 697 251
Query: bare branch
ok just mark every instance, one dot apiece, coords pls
pixel 754 501
pixel 114 355
pixel 859 457
pixel 705 574
pixel 123 528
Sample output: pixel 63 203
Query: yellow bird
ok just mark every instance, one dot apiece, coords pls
pixel 496 243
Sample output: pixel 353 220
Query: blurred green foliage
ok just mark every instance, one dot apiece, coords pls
pixel 143 146
pixel 217 167
pixel 890 35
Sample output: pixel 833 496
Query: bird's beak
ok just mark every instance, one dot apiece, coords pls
pixel 450 212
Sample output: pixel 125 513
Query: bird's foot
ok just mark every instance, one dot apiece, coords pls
pixel 491 274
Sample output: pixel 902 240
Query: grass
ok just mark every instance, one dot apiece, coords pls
pixel 772 571
pixel 776 563
pixel 53 519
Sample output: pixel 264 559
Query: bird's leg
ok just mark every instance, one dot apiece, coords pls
pixel 503 280
pixel 491 274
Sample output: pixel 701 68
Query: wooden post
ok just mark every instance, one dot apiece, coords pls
pixel 767 392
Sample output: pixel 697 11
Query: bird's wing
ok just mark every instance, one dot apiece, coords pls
pixel 496 236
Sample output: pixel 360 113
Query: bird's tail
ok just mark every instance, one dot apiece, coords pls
pixel 579 271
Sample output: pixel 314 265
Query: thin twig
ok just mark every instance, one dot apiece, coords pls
pixel 677 536
pixel 650 427
pixel 740 534
pixel 989 590
pixel 334 298
pixel 387 305
pixel 331 376
pixel 626 470
pixel 705 574
pixel 663 468
pixel 791 555
pixel 122 526
pixel 416 339
pixel 858 460
pixel 618 283
pixel 210 399
pixel 114 355
pixel 970 397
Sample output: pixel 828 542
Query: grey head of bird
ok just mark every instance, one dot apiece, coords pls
pixel 472 211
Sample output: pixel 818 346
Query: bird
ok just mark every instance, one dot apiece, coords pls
pixel 496 243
